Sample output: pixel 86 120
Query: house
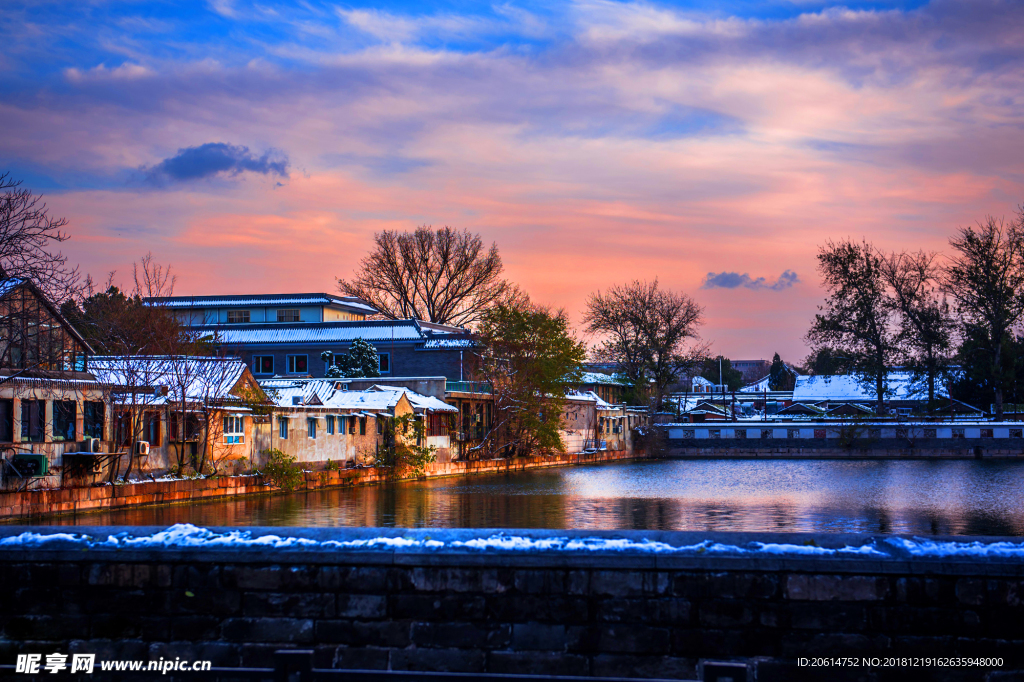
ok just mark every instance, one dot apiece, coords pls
pixel 264 308
pixel 49 399
pixel 405 347
pixel 320 420
pixel 609 387
pixel 198 412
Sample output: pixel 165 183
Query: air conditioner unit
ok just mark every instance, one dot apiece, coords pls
pixel 141 447
pixel 460 436
pixel 90 445
pixel 30 464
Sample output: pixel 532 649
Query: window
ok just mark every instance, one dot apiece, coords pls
pixel 297 364
pixel 64 413
pixel 362 426
pixel 152 429
pixel 740 433
pixel 282 427
pixel 238 316
pixel 311 427
pixel 288 315
pixel 352 424
pixel 380 424
pixel 6 421
pixel 263 364
pixel 330 424
pixel 93 422
pixel 234 430
pixel 191 427
pixel 384 363
pixel 33 414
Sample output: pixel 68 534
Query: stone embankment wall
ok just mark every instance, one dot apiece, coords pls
pixel 551 613
pixel 710 449
pixel 107 497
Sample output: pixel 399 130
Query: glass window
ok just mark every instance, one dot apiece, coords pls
pixel 352 424
pixel 297 364
pixel 152 429
pixel 64 413
pixel 263 364
pixel 94 413
pixel 384 362
pixel 288 315
pixel 6 421
pixel 362 426
pixel 330 424
pixel 234 430
pixel 33 415
pixel 311 427
pixel 282 427
pixel 238 316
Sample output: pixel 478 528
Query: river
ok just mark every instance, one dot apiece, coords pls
pixel 919 497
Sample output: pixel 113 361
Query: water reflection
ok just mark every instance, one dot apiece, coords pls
pixel 923 497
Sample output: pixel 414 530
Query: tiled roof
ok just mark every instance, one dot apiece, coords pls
pixel 199 377
pixel 314 332
pixel 324 393
pixel 261 300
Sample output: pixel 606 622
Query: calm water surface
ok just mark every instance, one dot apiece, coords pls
pixel 922 497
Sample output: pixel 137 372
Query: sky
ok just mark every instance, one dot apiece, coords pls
pixel 715 146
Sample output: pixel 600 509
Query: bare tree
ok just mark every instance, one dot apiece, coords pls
pixel 27 237
pixel 152 279
pixel 986 277
pixel 856 317
pixel 441 275
pixel 646 330
pixel 925 326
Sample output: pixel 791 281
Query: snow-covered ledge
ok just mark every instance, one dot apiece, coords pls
pixel 651 550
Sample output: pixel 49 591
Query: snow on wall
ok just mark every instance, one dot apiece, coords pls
pixel 190 536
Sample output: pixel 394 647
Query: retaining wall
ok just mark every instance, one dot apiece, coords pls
pixel 627 613
pixel 107 497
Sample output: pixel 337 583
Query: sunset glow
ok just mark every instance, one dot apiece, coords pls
pixel 258 146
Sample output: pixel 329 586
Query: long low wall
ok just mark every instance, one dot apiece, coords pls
pixel 540 602
pixel 34 503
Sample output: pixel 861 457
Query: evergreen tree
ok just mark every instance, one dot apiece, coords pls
pixel 362 360
pixel 732 378
pixel 780 376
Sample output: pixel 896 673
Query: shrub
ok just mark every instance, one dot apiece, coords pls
pixel 281 470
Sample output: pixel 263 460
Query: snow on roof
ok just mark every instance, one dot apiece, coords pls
pixel 261 300
pixel 418 400
pixel 198 377
pixel 449 343
pixel 314 332
pixel 759 386
pixel 848 387
pixel 8 284
pixel 599 378
pixel 324 393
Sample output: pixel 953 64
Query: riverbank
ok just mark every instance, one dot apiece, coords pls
pixel 56 501
pixel 589 603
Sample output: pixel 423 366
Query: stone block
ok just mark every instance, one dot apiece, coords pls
pixel 725 614
pixel 835 588
pixel 438 660
pixel 291 604
pixel 268 630
pixel 970 591
pixel 539 582
pixel 330 656
pixel 195 628
pixel 537 663
pixel 437 607
pixel 526 608
pixel 663 667
pixel 834 618
pixel 617 583
pixel 353 579
pixel 538 637
pixel 362 606
pixel 449 635
pixel 269 578
pixel 218 653
pixel 363 633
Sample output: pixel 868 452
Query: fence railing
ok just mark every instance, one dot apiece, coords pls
pixel 468 387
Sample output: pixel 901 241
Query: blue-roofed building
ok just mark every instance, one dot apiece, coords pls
pixel 284 335
pixel 265 308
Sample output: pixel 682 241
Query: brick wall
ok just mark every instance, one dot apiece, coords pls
pixel 599 614
pixel 33 503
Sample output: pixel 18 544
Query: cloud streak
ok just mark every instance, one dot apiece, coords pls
pixel 215 159
pixel 733 280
